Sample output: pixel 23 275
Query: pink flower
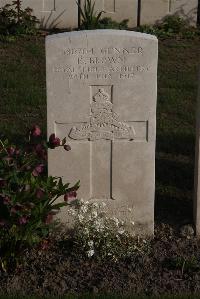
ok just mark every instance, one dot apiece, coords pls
pixel 70 196
pixel 13 210
pixel 11 151
pixel 38 170
pixel 67 147
pixel 23 220
pixel 36 131
pixel 17 208
pixel 40 151
pixel 39 148
pixel 44 245
pixel 54 141
pixel 17 152
pixel 39 193
pixel 3 222
pixel 6 200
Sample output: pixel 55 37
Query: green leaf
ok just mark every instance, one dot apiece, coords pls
pixel 64 141
pixel 59 205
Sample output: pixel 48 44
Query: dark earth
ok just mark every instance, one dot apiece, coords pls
pixel 171 266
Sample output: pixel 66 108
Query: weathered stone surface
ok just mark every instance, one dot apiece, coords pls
pixel 101 96
pixel 153 10
pixel 186 9
pixel 156 10
pixel 118 10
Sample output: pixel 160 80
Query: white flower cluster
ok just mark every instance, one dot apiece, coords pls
pixel 90 252
pixel 96 233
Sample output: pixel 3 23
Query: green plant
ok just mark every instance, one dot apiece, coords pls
pixel 171 26
pixel 15 21
pixel 151 30
pixel 174 24
pixel 95 233
pixel 27 196
pixel 90 17
pixel 108 23
pixel 183 264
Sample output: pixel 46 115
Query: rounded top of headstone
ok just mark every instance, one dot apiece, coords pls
pixel 112 32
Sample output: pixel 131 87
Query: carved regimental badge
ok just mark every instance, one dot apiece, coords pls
pixel 104 123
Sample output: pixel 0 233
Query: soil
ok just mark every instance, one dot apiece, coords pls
pixel 171 266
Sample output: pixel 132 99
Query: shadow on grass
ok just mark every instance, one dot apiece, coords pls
pixel 174 179
pixel 173 211
pixel 177 174
pixel 176 143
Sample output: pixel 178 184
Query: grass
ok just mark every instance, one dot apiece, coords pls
pixel 23 103
pixel 22 86
pixel 177 93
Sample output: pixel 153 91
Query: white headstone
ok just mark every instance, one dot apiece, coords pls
pixel 101 96
pixel 156 10
pixel 186 9
pixel 54 13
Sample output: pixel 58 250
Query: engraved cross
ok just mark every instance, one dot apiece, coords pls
pixel 103 130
